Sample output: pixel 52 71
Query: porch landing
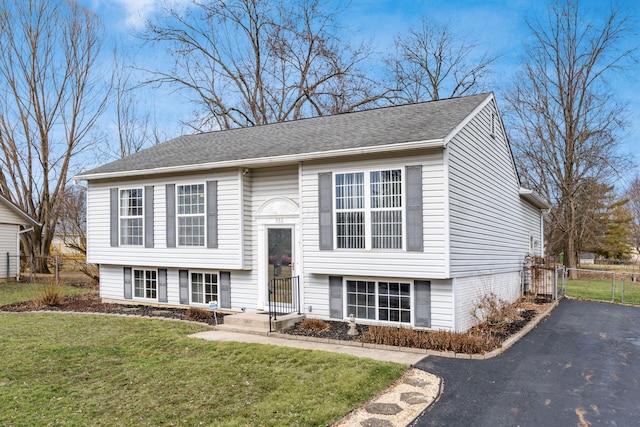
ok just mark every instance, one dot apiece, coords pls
pixel 257 323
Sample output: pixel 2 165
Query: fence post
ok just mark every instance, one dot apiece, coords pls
pixel 8 266
pixel 613 287
pixel 57 277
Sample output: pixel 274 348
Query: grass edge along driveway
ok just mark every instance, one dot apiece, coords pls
pixel 66 369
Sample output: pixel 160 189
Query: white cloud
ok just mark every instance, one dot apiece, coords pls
pixel 138 11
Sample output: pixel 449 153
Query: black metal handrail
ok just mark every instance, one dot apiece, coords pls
pixel 284 297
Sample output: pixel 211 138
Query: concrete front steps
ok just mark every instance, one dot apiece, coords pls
pixel 257 323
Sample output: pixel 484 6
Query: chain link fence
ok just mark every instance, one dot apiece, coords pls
pixel 601 285
pixel 71 269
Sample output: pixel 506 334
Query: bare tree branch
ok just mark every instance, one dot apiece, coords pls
pixel 431 62
pixel 251 62
pixel 53 96
pixel 565 119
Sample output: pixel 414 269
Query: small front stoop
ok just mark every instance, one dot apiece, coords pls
pixel 257 323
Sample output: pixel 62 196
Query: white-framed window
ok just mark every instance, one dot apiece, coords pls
pixel 369 210
pixel 131 217
pixel 350 210
pixel 386 301
pixel 145 284
pixel 204 287
pixel 191 215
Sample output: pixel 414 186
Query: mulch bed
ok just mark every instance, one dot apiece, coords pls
pixel 91 303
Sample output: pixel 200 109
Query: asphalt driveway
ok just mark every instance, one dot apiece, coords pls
pixel 579 367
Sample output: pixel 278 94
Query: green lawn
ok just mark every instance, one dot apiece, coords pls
pixel 601 289
pixel 68 369
pixel 12 292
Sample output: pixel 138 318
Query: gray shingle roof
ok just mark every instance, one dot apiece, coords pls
pixel 426 121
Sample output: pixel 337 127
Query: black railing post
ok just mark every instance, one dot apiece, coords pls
pixel 298 291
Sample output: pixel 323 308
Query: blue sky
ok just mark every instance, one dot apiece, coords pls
pixel 497 26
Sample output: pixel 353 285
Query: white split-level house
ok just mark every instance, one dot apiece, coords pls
pixel 13 222
pixel 402 215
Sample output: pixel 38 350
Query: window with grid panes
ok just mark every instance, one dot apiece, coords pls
pixel 145 284
pixel 191 215
pixel 386 209
pixel 368 209
pixel 131 217
pixel 383 301
pixel 204 287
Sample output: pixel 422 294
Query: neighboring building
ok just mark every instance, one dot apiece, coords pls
pixel 13 221
pixel 400 215
pixel 587 258
pixel 62 245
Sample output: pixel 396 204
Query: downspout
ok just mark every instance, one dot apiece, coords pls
pixel 18 250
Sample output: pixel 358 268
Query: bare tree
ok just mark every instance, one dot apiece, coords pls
pixel 432 62
pixel 633 194
pixel 565 118
pixel 251 62
pixel 51 97
pixel 72 226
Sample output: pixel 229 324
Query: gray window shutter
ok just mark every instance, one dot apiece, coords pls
pixel 422 303
pixel 127 283
pixel 212 214
pixel 415 220
pixel 335 297
pixel 171 215
pixel 114 217
pixel 183 280
pixel 325 198
pixel 225 289
pixel 148 216
pixel 162 285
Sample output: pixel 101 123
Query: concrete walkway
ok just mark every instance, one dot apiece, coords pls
pixel 405 358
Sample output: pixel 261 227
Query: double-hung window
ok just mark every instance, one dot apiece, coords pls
pixel 145 284
pixel 369 210
pixel 131 217
pixel 382 300
pixel 191 215
pixel 204 287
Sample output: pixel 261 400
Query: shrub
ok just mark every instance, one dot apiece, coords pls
pixel 316 325
pixel 432 340
pixel 49 294
pixel 494 314
pixel 198 314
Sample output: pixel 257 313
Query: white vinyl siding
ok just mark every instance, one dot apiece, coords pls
pixel 227 256
pixel 430 263
pixel 8 243
pixel 486 225
pixel 469 290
